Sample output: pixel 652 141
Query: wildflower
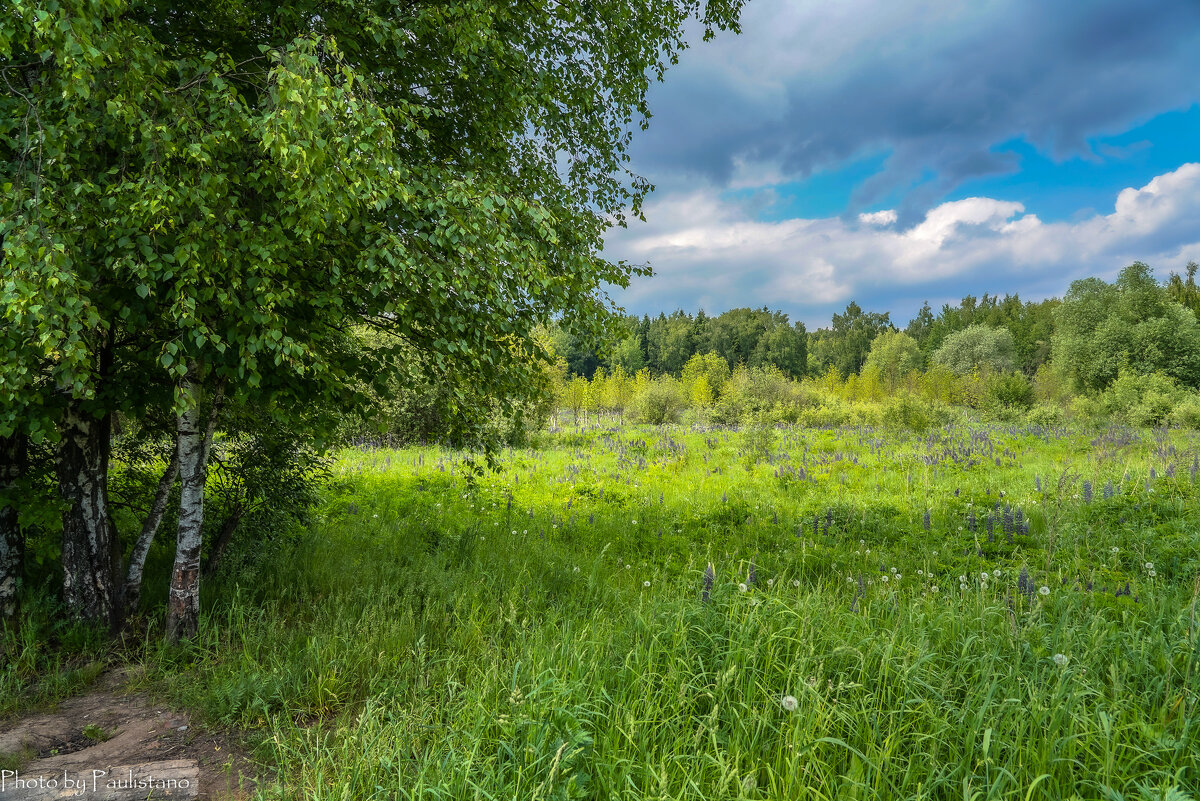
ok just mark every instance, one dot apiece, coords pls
pixel 645 583
pixel 899 576
pixel 934 588
pixel 576 570
pixel 893 570
pixel 984 575
pixel 709 575
pixel 920 572
pixel 884 578
pixel 850 579
pixel 962 579
pixel 1152 573
pixel 796 583
pixel 635 522
pixel 962 586
pixel 1044 591
pixel 995 574
pixel 770 582
pixel 1060 660
pixel 628 566
pixel 1115 549
pixel 1149 565
pixel 789 703
pixel 742 588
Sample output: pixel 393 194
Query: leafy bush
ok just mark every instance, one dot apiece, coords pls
pixel 659 402
pixel 1046 415
pixel 1187 413
pixel 1143 400
pixel 1010 390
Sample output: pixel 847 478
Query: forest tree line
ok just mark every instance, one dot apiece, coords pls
pixel 762 337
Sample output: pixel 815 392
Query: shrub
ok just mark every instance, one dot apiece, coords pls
pixel 1046 415
pixel 659 402
pixel 1143 400
pixel 1011 390
pixel 1187 413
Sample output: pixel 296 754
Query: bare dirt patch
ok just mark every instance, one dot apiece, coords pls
pixel 107 728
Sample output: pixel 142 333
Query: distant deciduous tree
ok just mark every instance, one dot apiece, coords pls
pixel 1132 324
pixel 978 347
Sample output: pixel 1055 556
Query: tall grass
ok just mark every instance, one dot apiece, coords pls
pixel 540 633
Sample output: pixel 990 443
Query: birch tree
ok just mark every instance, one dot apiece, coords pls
pixel 209 192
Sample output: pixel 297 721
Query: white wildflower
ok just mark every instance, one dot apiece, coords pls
pixel 1060 660
pixel 742 588
pixel 1044 591
pixel 790 703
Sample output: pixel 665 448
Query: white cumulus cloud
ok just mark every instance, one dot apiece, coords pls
pixel 710 252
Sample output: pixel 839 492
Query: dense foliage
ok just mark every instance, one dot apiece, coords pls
pixel 204 204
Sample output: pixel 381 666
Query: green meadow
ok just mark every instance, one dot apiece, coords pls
pixel 975 612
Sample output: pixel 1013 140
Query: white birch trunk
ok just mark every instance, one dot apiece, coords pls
pixel 137 559
pixel 183 604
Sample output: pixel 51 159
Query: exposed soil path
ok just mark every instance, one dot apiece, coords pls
pixel 101 735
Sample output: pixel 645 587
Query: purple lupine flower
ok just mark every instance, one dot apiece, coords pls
pixel 751 574
pixel 926 520
pixel 1087 492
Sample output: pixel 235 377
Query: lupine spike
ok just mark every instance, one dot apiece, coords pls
pixel 709 575
pixel 751 574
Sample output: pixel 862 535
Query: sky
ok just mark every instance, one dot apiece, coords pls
pixel 892 152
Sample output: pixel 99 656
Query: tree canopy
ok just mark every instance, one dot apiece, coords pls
pixel 203 201
pixel 1132 324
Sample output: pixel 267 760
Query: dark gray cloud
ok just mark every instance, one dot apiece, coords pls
pixel 810 85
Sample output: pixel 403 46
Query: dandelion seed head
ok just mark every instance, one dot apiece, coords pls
pixel 1044 591
pixel 1060 660
pixel 742 588
pixel 789 703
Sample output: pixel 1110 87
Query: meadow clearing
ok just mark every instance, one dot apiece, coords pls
pixel 979 611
